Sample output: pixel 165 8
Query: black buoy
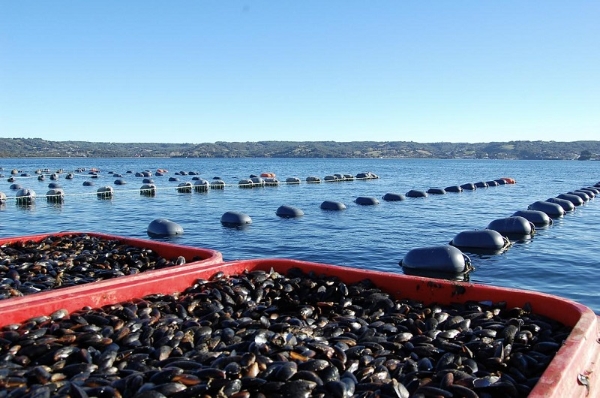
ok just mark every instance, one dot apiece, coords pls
pixel 11 179
pixel 138 174
pixel 289 212
pixel 538 218
pixel 235 219
pixel 514 226
pixel 148 190
pixel 331 205
pixel 162 227
pixel 595 190
pixel 469 186
pixel 217 184
pixel 25 196
pixel 15 187
pixel 313 180
pixel 591 195
pixel 245 183
pixel 366 201
pixel 567 205
pixel 588 192
pixel 454 188
pixel 148 181
pixel 55 195
pixel 201 185
pixel 104 192
pixel 54 185
pixel 552 209
pixel 41 178
pixel 481 184
pixel 501 181
pixel 88 183
pixel 481 241
pixel 393 197
pixel 69 176
pixel 436 191
pixel 492 183
pixel 576 200
pixel 271 182
pixel 413 193
pixel 436 259
pixel 119 182
pixel 147 174
pixel 584 196
pixel 173 179
pixel 292 180
pixel 184 187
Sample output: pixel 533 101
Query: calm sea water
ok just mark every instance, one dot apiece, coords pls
pixel 562 259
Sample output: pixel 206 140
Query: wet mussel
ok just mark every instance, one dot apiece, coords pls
pixel 262 334
pixel 28 267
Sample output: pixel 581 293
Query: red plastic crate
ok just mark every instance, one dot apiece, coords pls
pixel 167 250
pixel 578 358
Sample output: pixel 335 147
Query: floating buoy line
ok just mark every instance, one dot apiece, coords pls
pixel 445 261
pixel 56 194
pixel 496 238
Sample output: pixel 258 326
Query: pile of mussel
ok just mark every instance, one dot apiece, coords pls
pixel 28 267
pixel 263 334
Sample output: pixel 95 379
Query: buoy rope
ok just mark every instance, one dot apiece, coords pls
pixel 211 186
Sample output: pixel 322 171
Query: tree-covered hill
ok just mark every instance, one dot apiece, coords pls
pixel 37 147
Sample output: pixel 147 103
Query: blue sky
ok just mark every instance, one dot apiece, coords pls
pixel 206 71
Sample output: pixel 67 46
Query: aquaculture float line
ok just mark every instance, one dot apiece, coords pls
pixel 56 194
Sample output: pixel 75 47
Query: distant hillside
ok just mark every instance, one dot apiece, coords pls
pixel 37 147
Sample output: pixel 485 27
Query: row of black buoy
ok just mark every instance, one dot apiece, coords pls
pixel 449 261
pixel 470 186
pixel 264 179
pixel 56 194
pixel 164 227
pixel 199 184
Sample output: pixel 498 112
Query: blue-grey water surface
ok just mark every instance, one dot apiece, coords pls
pixel 561 259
